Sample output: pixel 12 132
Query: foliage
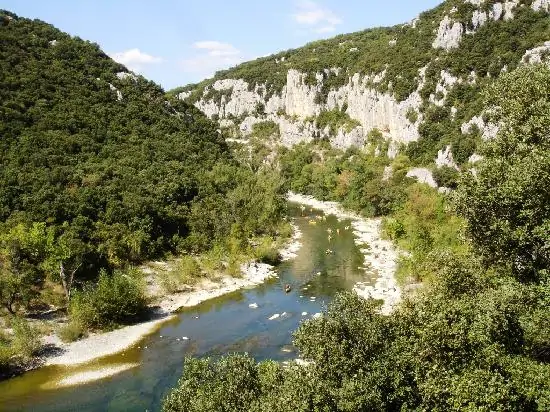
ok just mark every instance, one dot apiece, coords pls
pixel 508 197
pixel 476 336
pixel 266 251
pixel 25 341
pixel 115 299
pixel 440 352
pixel 390 60
pixel 101 170
pixel 265 130
pixel 334 120
pixel 446 176
pixel 18 347
pixel 72 331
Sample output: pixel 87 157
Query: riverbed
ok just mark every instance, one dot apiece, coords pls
pixel 258 320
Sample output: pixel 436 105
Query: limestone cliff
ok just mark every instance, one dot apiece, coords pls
pixel 389 79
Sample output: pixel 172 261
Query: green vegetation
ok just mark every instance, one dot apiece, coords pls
pixel 510 196
pixel 114 300
pixel 446 176
pixel 475 337
pixel 335 119
pixel 265 130
pixel 18 346
pixel 102 171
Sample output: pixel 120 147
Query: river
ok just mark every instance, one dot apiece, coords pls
pixel 213 328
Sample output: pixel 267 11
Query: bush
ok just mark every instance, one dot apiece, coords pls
pixel 26 339
pixel 446 176
pixel 6 352
pixel 72 331
pixel 116 299
pixel 266 252
pixel 186 271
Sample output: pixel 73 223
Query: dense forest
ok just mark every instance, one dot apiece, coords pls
pixel 476 337
pixel 101 171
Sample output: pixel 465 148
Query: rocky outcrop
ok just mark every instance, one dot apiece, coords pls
pixel 118 92
pixel 488 130
pixel 295 107
pixel 541 5
pixel 445 158
pixel 446 82
pixel 423 176
pixel 449 34
pixel 298 103
pixel 475 158
pixel 537 55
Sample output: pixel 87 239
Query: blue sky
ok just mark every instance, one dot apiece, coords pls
pixel 175 42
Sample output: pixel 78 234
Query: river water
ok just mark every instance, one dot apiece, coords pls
pixel 215 327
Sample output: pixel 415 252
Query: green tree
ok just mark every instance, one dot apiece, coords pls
pixel 507 201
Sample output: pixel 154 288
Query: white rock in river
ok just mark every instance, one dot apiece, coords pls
pixel 304 313
pixel 273 317
pixel 253 306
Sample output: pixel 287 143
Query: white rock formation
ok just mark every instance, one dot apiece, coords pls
pixel 126 76
pixel 541 5
pixel 118 92
pixel 449 34
pixel 423 176
pixel 183 95
pixel 509 7
pixel 445 158
pixel 537 54
pixel 475 158
pixel 479 18
pixel 488 130
pixel 297 103
pixel 446 82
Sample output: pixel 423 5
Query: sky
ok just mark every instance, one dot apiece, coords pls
pixel 177 42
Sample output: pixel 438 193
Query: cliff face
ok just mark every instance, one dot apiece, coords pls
pixel 295 109
pixel 368 98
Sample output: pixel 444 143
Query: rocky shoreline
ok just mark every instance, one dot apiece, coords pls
pixel 103 344
pixel 380 256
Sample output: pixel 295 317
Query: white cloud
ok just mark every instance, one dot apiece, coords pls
pixel 318 18
pixel 135 59
pixel 216 48
pixel 212 56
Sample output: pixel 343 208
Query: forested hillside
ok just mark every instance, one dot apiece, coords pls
pixel 100 171
pixel 358 114
pixel 476 337
pixel 418 83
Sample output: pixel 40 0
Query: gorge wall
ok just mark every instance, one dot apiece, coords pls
pixel 364 100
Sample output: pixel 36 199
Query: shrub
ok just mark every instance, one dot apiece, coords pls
pixel 446 176
pixel 266 252
pixel 25 341
pixel 72 331
pixel 6 352
pixel 116 299
pixel 411 115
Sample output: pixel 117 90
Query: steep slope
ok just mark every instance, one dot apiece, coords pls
pixel 116 171
pixel 417 82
